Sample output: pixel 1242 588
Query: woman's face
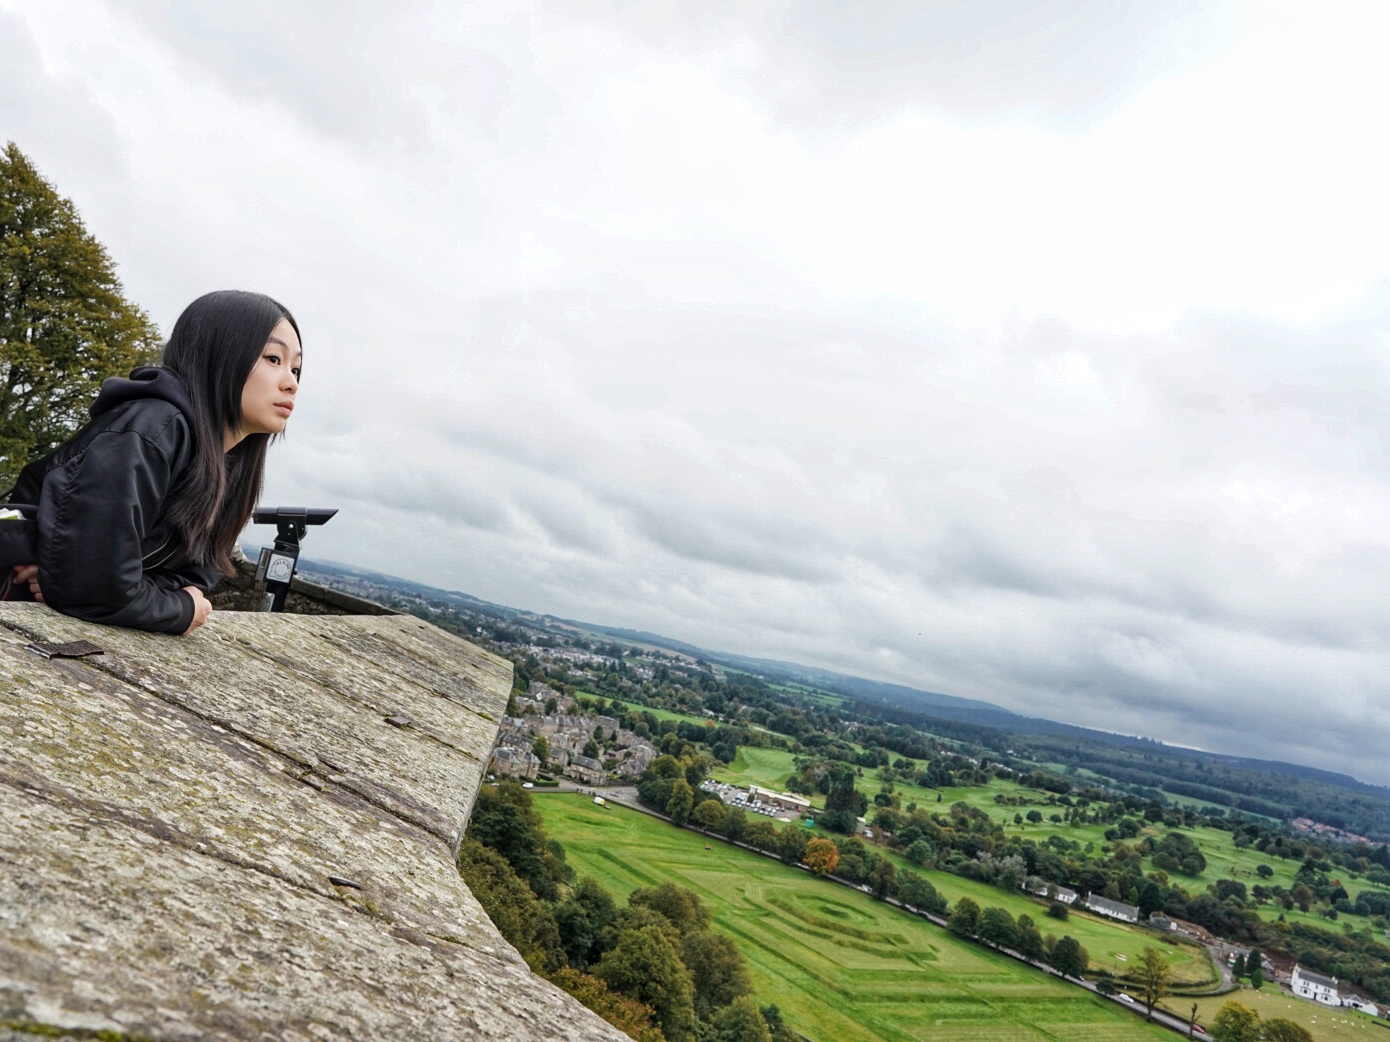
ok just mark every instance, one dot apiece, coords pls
pixel 267 398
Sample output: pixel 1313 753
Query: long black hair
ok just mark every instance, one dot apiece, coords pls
pixel 216 343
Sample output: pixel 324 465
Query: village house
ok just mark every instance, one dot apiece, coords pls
pixel 507 762
pixel 1049 890
pixel 1159 921
pixel 1114 909
pixel 587 770
pixel 1314 986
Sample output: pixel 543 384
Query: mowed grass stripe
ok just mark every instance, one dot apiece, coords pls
pixel 841 966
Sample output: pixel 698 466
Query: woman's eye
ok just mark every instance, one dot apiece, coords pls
pixel 273 359
pixel 295 370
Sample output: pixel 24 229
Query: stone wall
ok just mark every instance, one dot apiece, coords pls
pixel 248 833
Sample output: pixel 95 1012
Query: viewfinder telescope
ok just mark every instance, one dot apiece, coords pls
pixel 277 564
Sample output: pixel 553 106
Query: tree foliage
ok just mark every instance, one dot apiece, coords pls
pixel 1280 1029
pixel 629 1016
pixel 65 324
pixel 822 856
pixel 1235 1022
pixel 1069 958
pixel 646 965
pixel 1153 975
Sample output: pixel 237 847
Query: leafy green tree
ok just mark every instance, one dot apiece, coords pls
pixel 997 927
pixel 591 749
pixel 527 924
pixel 1153 975
pixel 1281 1030
pixel 645 965
pixel 1257 977
pixel 1057 910
pixel 682 801
pixel 1030 941
pixel 717 970
pixel 919 893
pixel 541 747
pixel 776 1025
pixel 64 324
pixel 735 821
pixel 680 907
pixel 504 820
pixel 741 1021
pixel 709 815
pixel 883 877
pixel 919 852
pixel 791 843
pixel 1235 1022
pixel 964 918
pixel 1238 967
pixel 1068 957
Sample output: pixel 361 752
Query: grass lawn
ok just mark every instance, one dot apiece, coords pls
pixel 768 768
pixel 1324 1023
pixel 841 966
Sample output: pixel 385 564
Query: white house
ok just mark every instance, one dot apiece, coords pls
pixel 1049 890
pixel 1314 986
pixel 1114 909
pixel 1365 1006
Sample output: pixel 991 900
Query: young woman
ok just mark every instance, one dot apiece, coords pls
pixel 138 510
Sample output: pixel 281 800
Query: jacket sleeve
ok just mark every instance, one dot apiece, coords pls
pixel 93 513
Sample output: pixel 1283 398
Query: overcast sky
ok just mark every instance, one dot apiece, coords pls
pixel 1025 350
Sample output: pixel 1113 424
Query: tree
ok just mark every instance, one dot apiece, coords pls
pixel 1257 977
pixel 591 749
pixel 997 927
pixel 717 970
pixel 681 802
pixel 526 923
pixel 629 1016
pixel 883 877
pixel 1153 975
pixel 822 856
pixel 681 907
pixel 919 852
pixel 645 965
pixel 964 918
pixel 735 821
pixel 1235 1023
pixel 541 748
pixel 791 843
pixel 1281 1030
pixel 1030 941
pixel 919 893
pixel 1057 910
pixel 741 1021
pixel 1238 967
pixel 1068 957
pixel 709 815
pixel 64 324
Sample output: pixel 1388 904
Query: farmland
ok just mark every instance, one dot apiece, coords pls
pixel 839 964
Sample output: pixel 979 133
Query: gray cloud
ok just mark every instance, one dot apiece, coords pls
pixel 821 63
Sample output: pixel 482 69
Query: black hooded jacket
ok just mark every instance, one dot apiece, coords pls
pixel 106 552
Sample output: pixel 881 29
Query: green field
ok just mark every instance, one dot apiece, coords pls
pixel 841 966
pixel 1323 1023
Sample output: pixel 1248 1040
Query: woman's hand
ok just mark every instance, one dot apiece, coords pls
pixel 28 573
pixel 202 608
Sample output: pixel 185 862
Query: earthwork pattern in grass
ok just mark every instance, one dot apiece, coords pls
pixel 840 965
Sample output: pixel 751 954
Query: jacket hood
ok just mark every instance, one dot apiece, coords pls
pixel 148 381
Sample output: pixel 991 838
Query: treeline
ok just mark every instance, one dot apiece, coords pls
pixel 654 968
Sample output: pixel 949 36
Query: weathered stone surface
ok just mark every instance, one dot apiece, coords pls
pixel 180 819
